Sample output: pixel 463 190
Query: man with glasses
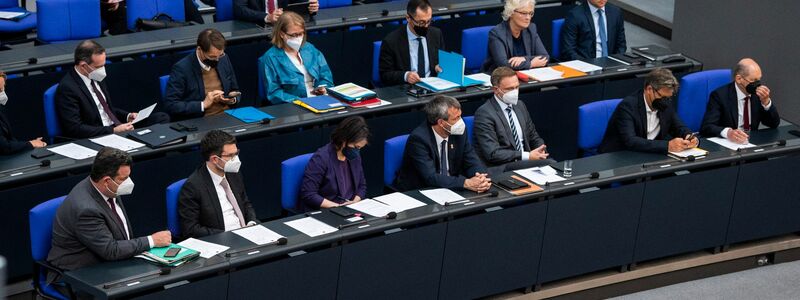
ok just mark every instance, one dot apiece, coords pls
pixel 594 29
pixel 736 108
pixel 213 199
pixel 646 121
pixel 202 83
pixel 411 52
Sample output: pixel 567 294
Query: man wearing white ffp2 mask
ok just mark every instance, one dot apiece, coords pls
pixel 9 144
pixel 213 199
pixel 505 136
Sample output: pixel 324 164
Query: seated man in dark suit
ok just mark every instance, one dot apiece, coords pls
pixel 213 199
pixel 646 121
pixel 408 50
pixel 83 103
pixel 726 115
pixel 264 12
pixel 91 225
pixel 8 143
pixel 438 154
pixel 504 134
pixel 594 29
pixel 200 83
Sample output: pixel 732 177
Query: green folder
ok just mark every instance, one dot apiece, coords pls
pixel 157 255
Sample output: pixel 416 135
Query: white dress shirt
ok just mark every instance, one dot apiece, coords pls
pixel 121 214
pixel 599 45
pixel 228 214
pixel 523 154
pixel 740 108
pixel 413 45
pixel 103 113
pixel 653 122
pixel 439 140
pixel 309 81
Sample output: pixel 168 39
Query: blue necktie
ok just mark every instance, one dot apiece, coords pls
pixel 601 25
pixel 443 159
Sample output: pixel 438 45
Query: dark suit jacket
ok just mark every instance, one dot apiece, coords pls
pixel 9 144
pixel 578 33
pixel 77 112
pixel 501 47
pixel 85 231
pixel 420 168
pixel 395 57
pixel 627 129
pixel 198 204
pixel 253 10
pixel 320 180
pixel 492 134
pixel 186 90
pixel 723 112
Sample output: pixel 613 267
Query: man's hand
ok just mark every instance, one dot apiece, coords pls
pixel 737 136
pixel 123 128
pixel 412 77
pixel 478 183
pixel 212 97
pixel 37 143
pixel 516 61
pixel 132 116
pixel 763 95
pixel 539 61
pixel 538 153
pixel 438 69
pixel 313 6
pixel 678 145
pixel 273 17
pixel 162 238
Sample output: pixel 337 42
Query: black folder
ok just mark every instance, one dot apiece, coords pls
pixel 158 136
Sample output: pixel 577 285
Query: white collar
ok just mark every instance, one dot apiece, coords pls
pixel 594 9
pixel 739 93
pixel 647 107
pixel 438 137
pixel 216 179
pixel 202 65
pixel 85 79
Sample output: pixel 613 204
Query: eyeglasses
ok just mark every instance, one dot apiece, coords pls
pixel 529 14
pixel 230 155
pixel 295 35
pixel 214 58
pixel 420 23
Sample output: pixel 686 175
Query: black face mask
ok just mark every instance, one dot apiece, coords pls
pixel 421 31
pixel 351 153
pixel 210 62
pixel 662 103
pixel 751 87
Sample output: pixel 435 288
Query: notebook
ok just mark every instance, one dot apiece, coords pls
pixel 249 114
pixel 320 104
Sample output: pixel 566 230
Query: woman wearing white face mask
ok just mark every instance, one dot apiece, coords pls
pixel 293 68
pixel 9 144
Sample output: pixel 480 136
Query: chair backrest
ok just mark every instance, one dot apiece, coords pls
pixel 592 123
pixel 474 45
pixel 393 150
pixel 173 218
pixel 693 94
pixel 291 177
pixel 50 116
pixel 41 221
pixel 148 9
pixel 64 20
pixel 262 81
pixel 224 10
pixel 334 3
pixel 556 38
pixel 162 84
pixel 376 53
pixel 469 121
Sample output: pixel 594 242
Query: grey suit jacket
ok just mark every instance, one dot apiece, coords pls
pixel 501 47
pixel 492 134
pixel 85 232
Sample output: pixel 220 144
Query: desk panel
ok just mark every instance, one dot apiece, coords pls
pixel 211 288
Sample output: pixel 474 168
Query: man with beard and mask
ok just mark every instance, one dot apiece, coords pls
pixel 438 155
pixel 736 108
pixel 203 83
pixel 504 135
pixel 411 52
pixel 646 121
pixel 83 102
pixel 9 144
pixel 213 199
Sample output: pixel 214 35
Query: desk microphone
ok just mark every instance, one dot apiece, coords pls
pixel 773 144
pixel 470 199
pixel 41 164
pixel 162 271
pixel 587 177
pixel 280 241
pixel 390 216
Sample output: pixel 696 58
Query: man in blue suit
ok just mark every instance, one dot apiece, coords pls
pixel 201 84
pixel 438 154
pixel 594 29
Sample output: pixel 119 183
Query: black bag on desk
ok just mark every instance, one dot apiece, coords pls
pixel 158 136
pixel 160 21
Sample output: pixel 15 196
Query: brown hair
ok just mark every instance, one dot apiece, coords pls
pixel 3 74
pixel 500 73
pixel 282 25
pixel 661 78
pixel 210 37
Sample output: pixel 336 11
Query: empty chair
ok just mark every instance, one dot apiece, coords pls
pixel 173 218
pixel 393 150
pixel 555 50
pixel 474 45
pixel 64 20
pixel 334 3
pixel 20 26
pixel 291 177
pixel 50 115
pixel 41 225
pixel 224 10
pixel 592 123
pixel 694 92
pixel 376 53
pixel 148 9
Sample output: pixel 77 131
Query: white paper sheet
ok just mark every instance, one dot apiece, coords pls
pixel 543 74
pixel 10 15
pixel 258 234
pixel 399 202
pixel 74 151
pixel 730 145
pixel 439 84
pixel 382 103
pixel 442 196
pixel 206 249
pixel 540 175
pixel 581 66
pixel 311 227
pixel 693 152
pixel 482 77
pixel 371 207
pixel 144 113
pixel 115 141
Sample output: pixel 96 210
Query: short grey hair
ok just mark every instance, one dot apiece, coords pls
pixel 437 108
pixel 661 78
pixel 512 5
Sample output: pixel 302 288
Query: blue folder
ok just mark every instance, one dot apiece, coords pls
pixel 249 114
pixel 453 66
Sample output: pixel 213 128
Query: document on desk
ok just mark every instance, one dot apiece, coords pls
pixel 399 202
pixel 310 226
pixel 258 234
pixel 540 175
pixel 442 196
pixel 372 208
pixel 482 77
pixel 118 142
pixel 730 145
pixel 438 84
pixel 581 66
pixel 144 113
pixel 74 151
pixel 696 152
pixel 543 74
pixel 206 249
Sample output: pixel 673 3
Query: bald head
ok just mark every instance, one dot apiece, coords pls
pixel 747 67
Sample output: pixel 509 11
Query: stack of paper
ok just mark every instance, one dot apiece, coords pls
pixel 258 234
pixel 730 145
pixel 115 141
pixel 371 207
pixel 206 249
pixel 696 152
pixel 437 84
pixel 311 227
pixel 543 74
pixel 581 66
pixel 485 79
pixel 399 202
pixel 74 151
pixel 540 175
pixel 442 196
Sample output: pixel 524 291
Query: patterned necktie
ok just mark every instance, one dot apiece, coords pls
pixel 229 194
pixel 420 58
pixel 104 104
pixel 443 158
pixel 513 124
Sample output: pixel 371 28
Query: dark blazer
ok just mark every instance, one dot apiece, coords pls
pixel 722 112
pixel 85 231
pixel 420 168
pixel 77 112
pixel 186 90
pixel 253 10
pixel 320 181
pixel 627 129
pixel 198 204
pixel 395 57
pixel 578 33
pixel 9 144
pixel 493 139
pixel 501 47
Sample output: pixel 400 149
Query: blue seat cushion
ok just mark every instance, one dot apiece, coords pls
pixel 25 24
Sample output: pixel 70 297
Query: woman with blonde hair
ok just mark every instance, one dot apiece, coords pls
pixel 514 42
